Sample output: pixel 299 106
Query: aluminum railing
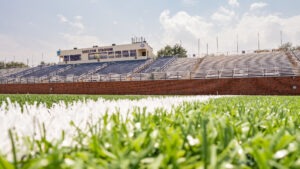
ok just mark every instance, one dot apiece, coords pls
pixel 168 63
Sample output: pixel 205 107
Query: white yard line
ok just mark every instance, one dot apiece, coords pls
pixel 58 117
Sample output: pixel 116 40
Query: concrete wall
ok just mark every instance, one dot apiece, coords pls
pixel 246 86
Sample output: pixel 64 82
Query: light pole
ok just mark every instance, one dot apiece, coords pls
pixel 207 49
pixel 258 41
pixel 217 45
pixel 237 43
pixel 199 47
pixel 281 38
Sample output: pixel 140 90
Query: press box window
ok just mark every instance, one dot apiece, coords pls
pixel 133 53
pixel 118 54
pixel 125 53
pixel 75 57
pixel 66 58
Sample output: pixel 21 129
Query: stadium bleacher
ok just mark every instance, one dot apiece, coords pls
pixel 249 65
pixel 182 64
pixel 80 69
pixel 45 71
pixel 121 67
pixel 297 54
pixel 158 64
pixel 7 72
pixel 232 66
pixel 26 72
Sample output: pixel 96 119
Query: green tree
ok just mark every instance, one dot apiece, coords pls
pixel 179 51
pixel 176 50
pixel 12 65
pixel 296 48
pixel 286 46
pixel 2 65
pixel 166 51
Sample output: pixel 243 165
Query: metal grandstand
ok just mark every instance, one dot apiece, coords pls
pixel 271 64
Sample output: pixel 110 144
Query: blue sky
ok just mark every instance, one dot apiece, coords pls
pixel 35 29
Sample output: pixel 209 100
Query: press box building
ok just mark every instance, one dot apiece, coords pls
pixel 139 49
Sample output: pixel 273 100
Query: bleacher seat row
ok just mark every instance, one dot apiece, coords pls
pixel 249 65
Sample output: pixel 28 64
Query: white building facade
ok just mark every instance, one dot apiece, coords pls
pixel 139 49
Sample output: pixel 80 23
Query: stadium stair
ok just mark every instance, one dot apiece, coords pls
pixel 294 60
pixel 56 72
pixel 164 67
pixel 7 72
pixel 27 72
pixel 158 64
pixel 139 69
pixel 197 65
pixel 143 66
pixel 291 58
pixel 296 55
pixel 91 72
pixel 121 67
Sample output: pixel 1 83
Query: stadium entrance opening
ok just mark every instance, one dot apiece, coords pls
pixel 142 52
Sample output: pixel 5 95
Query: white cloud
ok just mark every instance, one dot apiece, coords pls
pixel 78 17
pixel 94 1
pixel 62 18
pixel 9 45
pixel 17 49
pixel 189 2
pixel 234 3
pixel 187 28
pixel 80 41
pixel 258 5
pixel 76 23
pixel 223 15
pixel 77 36
pixel 13 47
pixel 182 23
